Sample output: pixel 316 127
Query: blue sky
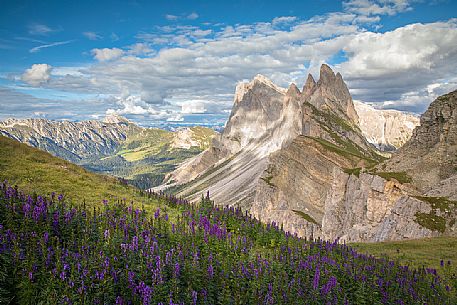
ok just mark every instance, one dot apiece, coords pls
pixel 179 61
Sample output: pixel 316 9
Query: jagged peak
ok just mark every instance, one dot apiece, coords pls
pixel 293 90
pixel 265 80
pixel 244 87
pixel 326 74
pixel 309 85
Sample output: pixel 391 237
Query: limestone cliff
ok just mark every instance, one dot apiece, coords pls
pixel 300 159
pixel 272 132
pixel 388 130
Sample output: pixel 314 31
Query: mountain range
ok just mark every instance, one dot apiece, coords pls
pixel 113 146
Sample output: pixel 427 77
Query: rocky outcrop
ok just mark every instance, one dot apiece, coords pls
pixel 430 157
pixel 370 208
pixel 388 130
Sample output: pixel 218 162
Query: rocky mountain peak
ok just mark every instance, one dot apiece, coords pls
pixel 293 90
pixel 332 93
pixel 258 81
pixel 309 86
pixel 114 118
pixel 326 75
pixel 438 124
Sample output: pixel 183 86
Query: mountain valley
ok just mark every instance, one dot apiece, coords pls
pixel 113 146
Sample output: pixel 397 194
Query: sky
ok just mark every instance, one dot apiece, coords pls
pixel 178 62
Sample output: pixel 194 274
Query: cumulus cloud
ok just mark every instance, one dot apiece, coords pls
pixel 377 7
pixel 191 107
pixel 107 54
pixel 92 36
pixel 136 106
pixel 140 49
pixel 283 20
pixel 37 74
pixel 393 65
pixel 195 69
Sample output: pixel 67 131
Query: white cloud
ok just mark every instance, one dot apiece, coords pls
pixel 192 16
pixel 136 106
pixel 40 29
pixel 50 45
pixel 283 20
pixel 197 68
pixel 194 106
pixel 140 49
pixel 37 74
pixel 107 54
pixel 175 118
pixel 391 65
pixel 377 7
pixel 92 36
pixel 171 17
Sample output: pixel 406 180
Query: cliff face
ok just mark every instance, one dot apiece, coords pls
pixel 388 130
pixel 300 159
pixel 430 157
pixel 270 133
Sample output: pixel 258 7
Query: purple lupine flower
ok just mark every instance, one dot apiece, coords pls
pixel 157 213
pixel 176 270
pixel 210 270
pixel 317 275
pixel 329 285
pixel 119 301
pixel 194 297
pixel 106 234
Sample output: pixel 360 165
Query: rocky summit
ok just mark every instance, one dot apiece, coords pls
pixel 303 159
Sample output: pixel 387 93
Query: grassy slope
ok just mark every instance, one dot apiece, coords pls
pixel 36 171
pixel 421 252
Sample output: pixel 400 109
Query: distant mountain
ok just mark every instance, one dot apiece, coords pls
pixel 73 141
pixel 113 146
pixel 388 130
pixel 300 159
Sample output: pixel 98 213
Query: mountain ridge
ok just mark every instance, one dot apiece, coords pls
pixel 300 159
pixel 114 145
